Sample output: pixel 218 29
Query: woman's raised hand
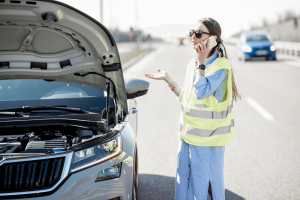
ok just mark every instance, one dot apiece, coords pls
pixel 202 51
pixel 160 76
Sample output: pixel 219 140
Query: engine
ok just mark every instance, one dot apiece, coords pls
pixel 44 141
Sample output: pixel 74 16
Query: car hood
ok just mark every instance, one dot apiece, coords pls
pixel 259 43
pixel 50 40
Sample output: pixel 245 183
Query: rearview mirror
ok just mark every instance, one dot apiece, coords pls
pixel 136 87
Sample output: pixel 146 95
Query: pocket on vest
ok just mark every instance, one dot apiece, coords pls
pixel 200 106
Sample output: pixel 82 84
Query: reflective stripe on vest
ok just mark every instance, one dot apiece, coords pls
pixel 208 114
pixel 208 133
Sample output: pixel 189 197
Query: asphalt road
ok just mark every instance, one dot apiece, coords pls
pixel 261 162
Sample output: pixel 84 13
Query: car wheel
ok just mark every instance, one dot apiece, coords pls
pixel 239 55
pixel 135 177
pixel 269 58
pixel 274 58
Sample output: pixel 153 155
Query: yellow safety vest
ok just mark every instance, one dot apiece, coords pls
pixel 206 122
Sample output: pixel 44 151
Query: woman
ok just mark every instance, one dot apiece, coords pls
pixel 206 121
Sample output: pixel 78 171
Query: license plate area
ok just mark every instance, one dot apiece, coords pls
pixel 261 52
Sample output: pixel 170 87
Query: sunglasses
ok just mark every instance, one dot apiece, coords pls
pixel 198 33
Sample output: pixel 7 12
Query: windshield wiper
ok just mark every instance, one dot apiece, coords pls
pixel 26 109
pixel 14 114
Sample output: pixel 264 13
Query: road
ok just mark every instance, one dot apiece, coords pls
pixel 261 162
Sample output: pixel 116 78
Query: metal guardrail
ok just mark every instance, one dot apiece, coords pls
pixel 288 48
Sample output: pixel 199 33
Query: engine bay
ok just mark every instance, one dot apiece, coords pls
pixel 45 140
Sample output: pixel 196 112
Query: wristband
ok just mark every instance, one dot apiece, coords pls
pixel 201 67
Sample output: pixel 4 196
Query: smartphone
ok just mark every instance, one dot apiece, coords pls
pixel 212 42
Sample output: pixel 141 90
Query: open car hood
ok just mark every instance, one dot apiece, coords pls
pixel 50 40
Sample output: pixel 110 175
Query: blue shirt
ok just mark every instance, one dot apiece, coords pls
pixel 213 84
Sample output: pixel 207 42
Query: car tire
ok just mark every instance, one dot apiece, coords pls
pixel 239 55
pixel 274 58
pixel 135 177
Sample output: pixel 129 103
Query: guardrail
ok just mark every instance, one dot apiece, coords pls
pixel 287 48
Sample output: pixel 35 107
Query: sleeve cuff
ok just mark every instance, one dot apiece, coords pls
pixel 201 81
pixel 179 97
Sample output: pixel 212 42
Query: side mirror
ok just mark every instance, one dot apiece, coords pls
pixel 136 87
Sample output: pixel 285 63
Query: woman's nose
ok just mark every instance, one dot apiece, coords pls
pixel 194 37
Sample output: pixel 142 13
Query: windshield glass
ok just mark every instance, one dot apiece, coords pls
pixel 32 89
pixel 251 38
pixel 36 92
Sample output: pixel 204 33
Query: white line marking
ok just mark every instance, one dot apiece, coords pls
pixel 293 63
pixel 263 112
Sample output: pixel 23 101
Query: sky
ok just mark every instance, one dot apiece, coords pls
pixel 232 15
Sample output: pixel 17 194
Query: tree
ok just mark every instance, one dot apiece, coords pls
pixel 288 15
pixel 279 18
pixel 265 22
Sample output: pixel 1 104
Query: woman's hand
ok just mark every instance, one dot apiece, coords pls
pixel 160 76
pixel 202 52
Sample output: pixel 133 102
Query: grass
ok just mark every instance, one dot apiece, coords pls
pixel 125 57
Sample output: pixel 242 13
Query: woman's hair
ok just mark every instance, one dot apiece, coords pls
pixel 214 28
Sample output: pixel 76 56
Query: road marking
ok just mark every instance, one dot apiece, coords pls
pixel 293 63
pixel 263 112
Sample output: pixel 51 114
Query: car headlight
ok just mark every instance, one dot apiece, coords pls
pixel 92 153
pixel 246 48
pixel 272 48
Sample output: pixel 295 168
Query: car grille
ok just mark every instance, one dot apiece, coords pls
pixel 261 48
pixel 30 175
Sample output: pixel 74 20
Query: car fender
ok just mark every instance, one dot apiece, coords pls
pixel 128 140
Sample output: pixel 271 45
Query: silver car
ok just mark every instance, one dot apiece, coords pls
pixel 68 121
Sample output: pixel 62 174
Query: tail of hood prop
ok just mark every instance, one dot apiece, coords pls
pixel 107 95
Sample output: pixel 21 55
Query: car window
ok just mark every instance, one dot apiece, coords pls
pixel 252 38
pixel 34 89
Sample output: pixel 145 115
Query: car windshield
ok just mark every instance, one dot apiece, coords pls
pixel 37 92
pixel 252 38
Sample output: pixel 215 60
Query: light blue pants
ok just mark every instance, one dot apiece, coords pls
pixel 196 167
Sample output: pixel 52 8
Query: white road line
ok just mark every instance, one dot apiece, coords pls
pixel 293 63
pixel 263 112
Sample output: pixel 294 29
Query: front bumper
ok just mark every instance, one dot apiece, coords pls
pixel 255 53
pixel 81 185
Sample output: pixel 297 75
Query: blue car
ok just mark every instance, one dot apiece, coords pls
pixel 255 44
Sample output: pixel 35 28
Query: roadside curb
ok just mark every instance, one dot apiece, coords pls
pixel 135 59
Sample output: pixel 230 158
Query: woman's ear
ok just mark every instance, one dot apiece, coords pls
pixel 215 37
